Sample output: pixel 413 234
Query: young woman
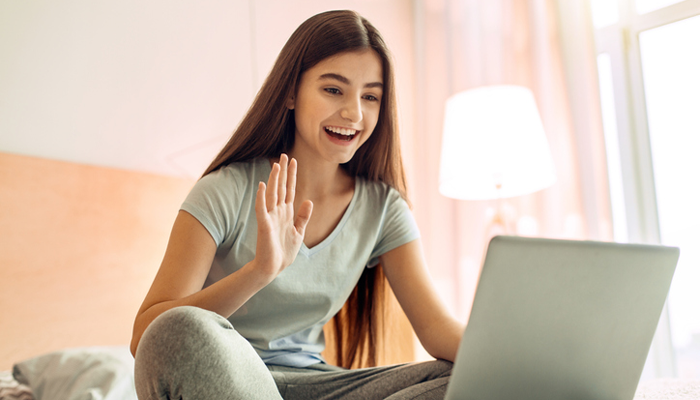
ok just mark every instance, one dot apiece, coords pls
pixel 254 270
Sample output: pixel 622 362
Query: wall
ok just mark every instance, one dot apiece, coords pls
pixel 156 86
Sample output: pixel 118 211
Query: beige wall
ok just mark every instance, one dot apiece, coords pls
pixel 154 86
pixel 80 246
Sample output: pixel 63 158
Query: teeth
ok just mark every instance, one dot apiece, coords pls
pixel 341 131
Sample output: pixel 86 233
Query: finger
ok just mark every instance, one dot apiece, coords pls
pixel 260 207
pixel 282 188
pixel 303 216
pixel 292 181
pixel 271 195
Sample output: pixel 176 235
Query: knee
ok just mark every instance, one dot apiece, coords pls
pixel 442 368
pixel 187 318
pixel 174 342
pixel 178 332
pixel 188 352
pixel 190 317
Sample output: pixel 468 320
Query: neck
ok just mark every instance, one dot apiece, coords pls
pixel 318 179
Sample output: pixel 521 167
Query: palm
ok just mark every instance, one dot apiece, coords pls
pixel 280 232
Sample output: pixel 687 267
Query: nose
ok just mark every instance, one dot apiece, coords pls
pixel 352 110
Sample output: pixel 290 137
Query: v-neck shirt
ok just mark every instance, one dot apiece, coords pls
pixel 284 321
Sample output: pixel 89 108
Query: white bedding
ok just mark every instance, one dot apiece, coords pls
pixel 106 373
pixel 90 373
pixel 10 389
pixel 669 389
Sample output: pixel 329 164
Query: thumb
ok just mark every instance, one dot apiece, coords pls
pixel 303 216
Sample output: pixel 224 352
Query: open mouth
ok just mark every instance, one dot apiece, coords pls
pixel 341 133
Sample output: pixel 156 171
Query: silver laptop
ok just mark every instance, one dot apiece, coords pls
pixel 558 319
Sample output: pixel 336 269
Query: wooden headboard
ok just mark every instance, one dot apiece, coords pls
pixel 79 248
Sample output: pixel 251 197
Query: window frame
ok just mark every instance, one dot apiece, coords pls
pixel 621 42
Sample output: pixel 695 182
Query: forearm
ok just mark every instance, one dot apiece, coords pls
pixel 224 297
pixel 438 331
pixel 443 338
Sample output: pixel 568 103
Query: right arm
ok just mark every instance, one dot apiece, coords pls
pixel 191 249
pixel 181 276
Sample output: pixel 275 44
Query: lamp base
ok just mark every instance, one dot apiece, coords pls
pixel 501 220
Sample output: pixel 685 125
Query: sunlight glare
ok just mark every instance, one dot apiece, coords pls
pixel 670 62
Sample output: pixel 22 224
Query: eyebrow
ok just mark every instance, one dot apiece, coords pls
pixel 346 81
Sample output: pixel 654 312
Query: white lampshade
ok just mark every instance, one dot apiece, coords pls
pixel 494 145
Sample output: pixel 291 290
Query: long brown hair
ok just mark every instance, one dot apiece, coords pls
pixel 268 128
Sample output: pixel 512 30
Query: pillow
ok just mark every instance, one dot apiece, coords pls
pixel 89 373
pixel 10 389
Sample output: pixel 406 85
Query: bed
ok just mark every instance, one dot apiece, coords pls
pixel 106 373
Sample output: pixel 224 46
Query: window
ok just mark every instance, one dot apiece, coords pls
pixel 645 6
pixel 648 63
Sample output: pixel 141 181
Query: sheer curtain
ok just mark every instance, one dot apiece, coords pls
pixel 462 44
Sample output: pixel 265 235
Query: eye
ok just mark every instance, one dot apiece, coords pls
pixel 332 90
pixel 370 97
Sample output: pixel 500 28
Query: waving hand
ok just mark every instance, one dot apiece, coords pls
pixel 280 232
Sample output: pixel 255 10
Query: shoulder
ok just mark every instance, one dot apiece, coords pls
pixel 217 199
pixel 238 176
pixel 382 203
pixel 238 171
pixel 390 213
pixel 230 182
pixel 379 193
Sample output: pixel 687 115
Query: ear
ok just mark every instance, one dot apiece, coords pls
pixel 290 103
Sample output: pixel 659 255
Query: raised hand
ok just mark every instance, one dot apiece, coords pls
pixel 280 232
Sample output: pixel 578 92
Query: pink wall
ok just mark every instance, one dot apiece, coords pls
pixel 80 246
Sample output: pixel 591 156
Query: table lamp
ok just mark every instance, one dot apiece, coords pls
pixel 494 147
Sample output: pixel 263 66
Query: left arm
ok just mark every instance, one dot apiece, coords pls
pixel 437 330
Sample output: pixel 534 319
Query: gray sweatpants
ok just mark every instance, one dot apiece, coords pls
pixel 190 353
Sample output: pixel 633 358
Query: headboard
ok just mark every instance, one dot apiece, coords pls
pixel 80 246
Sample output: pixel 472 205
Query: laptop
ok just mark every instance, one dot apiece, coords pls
pixel 561 319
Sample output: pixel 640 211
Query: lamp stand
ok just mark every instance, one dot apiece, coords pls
pixel 501 218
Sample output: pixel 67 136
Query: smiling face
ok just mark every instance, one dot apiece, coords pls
pixel 337 106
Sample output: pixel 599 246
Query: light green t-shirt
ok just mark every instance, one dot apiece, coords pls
pixel 284 321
